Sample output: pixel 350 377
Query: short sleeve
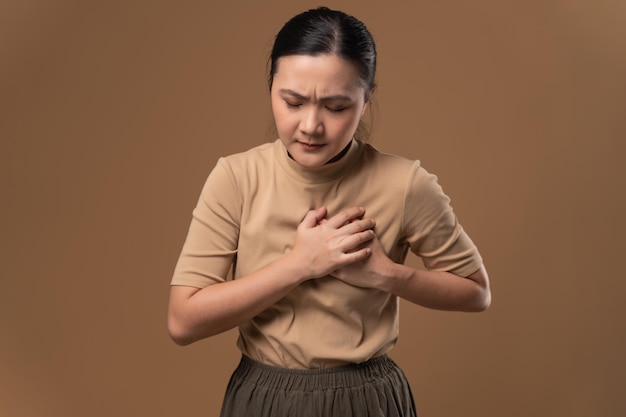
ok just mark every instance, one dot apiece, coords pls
pixel 211 243
pixel 432 229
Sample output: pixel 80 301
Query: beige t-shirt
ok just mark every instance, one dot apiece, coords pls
pixel 247 217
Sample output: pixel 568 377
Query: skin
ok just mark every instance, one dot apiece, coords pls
pixel 317 103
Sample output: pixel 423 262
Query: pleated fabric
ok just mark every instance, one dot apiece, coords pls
pixel 376 388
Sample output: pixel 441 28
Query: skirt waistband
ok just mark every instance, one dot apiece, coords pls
pixel 346 376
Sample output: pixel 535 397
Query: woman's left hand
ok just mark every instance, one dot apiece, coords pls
pixel 432 289
pixel 369 273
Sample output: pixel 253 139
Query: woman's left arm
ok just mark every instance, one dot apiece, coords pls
pixel 431 289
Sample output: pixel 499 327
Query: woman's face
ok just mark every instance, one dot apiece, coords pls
pixel 317 103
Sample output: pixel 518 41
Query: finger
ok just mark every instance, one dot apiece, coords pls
pixel 346 216
pixel 355 241
pixel 356 256
pixel 358 226
pixel 313 217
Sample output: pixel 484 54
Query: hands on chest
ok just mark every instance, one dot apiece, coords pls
pixel 344 246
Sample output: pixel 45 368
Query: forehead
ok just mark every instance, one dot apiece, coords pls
pixel 320 74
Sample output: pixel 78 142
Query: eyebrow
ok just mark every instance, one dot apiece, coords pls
pixel 334 97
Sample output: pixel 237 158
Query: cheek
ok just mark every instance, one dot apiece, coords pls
pixel 347 125
pixel 284 122
pixel 281 120
pixel 278 116
pixel 275 112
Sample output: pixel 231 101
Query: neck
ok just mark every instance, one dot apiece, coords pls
pixel 335 158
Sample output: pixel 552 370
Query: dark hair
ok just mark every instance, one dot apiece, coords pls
pixel 325 31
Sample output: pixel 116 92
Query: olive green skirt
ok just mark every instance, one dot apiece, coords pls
pixel 376 388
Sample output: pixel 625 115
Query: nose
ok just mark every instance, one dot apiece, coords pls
pixel 311 123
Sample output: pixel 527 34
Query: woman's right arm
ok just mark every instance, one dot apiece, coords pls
pixel 319 248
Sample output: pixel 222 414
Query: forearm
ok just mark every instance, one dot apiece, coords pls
pixel 439 290
pixel 195 314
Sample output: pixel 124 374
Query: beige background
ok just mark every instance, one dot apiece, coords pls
pixel 113 113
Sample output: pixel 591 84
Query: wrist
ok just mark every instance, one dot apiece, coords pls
pixel 394 277
pixel 295 268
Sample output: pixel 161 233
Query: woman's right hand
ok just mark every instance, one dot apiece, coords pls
pixel 323 245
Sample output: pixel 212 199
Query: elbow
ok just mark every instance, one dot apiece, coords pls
pixel 180 340
pixel 184 333
pixel 484 303
pixel 481 301
pixel 178 333
pixel 180 326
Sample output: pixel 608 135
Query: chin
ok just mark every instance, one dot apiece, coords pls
pixel 310 162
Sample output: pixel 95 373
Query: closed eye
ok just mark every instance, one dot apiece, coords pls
pixel 296 105
pixel 292 105
pixel 335 109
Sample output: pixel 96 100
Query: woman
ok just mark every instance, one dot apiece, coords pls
pixel 316 227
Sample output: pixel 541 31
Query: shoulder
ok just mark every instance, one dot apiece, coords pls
pixel 233 173
pixel 249 164
pixel 373 155
pixel 258 154
pixel 390 168
pixel 419 187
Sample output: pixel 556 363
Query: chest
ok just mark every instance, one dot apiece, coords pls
pixel 272 212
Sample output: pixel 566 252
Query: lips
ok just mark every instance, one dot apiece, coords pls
pixel 310 146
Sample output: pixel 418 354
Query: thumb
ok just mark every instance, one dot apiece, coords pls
pixel 313 217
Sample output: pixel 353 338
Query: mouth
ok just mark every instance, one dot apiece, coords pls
pixel 310 146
